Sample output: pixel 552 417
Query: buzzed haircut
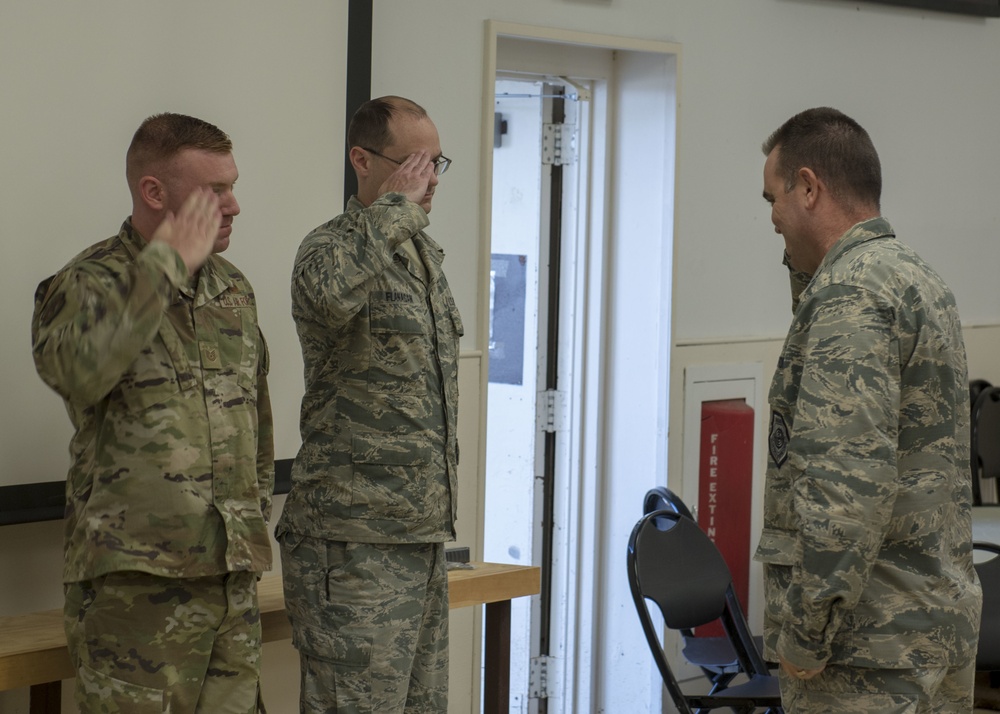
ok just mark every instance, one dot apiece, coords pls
pixel 163 136
pixel 370 124
pixel 836 148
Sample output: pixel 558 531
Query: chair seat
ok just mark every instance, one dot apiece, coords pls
pixel 761 692
pixel 715 653
pixel 988 654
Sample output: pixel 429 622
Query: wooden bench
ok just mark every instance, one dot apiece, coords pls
pixel 33 646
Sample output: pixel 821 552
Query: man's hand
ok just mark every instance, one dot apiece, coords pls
pixel 798 673
pixel 411 178
pixel 192 232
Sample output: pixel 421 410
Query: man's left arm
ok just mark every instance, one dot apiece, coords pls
pixel 265 434
pixel 843 447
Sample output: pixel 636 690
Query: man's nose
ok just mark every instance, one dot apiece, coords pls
pixel 231 207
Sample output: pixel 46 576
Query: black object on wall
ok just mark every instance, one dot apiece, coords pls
pixel 984 8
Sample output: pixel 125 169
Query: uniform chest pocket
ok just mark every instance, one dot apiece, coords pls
pixel 229 345
pixel 401 350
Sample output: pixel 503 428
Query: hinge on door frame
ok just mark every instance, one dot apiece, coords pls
pixel 558 144
pixel 541 677
pixel 552 411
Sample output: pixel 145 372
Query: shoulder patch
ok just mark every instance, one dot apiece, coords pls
pixel 777 439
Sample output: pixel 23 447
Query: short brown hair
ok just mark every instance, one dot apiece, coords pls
pixel 836 148
pixel 163 136
pixel 370 124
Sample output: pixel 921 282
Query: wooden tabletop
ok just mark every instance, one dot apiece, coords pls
pixel 33 646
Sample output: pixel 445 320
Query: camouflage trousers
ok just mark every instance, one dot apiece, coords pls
pixel 143 643
pixel 839 689
pixel 370 622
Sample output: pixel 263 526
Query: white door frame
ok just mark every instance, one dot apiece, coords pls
pixel 590 577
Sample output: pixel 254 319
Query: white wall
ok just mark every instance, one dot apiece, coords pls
pixel 76 79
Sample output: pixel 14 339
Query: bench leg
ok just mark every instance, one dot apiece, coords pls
pixel 496 694
pixel 46 698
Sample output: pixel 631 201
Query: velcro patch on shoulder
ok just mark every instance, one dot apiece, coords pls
pixel 777 439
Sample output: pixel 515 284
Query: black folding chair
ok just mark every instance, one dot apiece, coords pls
pixel 985 441
pixel 988 654
pixel 674 564
pixel 715 656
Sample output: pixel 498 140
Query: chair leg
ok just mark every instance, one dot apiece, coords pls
pixel 721 681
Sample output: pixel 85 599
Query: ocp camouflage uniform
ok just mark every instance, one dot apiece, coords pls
pixel 172 472
pixel 374 484
pixel 867 518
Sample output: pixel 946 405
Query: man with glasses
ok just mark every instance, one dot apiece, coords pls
pixel 373 493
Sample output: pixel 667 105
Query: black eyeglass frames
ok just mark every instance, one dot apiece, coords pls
pixel 441 163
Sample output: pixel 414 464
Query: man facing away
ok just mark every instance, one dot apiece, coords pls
pixel 872 603
pixel 152 341
pixel 374 484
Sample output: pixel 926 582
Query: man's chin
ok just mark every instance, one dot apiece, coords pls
pixel 221 244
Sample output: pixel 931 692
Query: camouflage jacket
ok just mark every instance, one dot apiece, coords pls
pixel 379 455
pixel 172 460
pixel 867 513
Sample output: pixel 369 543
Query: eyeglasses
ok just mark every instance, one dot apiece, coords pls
pixel 440 164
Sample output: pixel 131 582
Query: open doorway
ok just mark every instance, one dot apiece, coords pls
pixel 581 231
pixel 536 176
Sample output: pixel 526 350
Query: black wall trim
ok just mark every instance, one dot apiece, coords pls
pixel 359 74
pixel 33 502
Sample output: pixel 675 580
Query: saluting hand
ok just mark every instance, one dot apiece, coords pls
pixel 412 178
pixel 192 232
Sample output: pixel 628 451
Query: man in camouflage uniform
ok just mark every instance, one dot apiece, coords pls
pixel 374 484
pixel 152 341
pixel 872 603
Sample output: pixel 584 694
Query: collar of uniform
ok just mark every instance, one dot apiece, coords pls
pixel 427 247
pixel 131 238
pixel 858 234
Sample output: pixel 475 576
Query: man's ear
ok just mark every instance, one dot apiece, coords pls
pixel 360 160
pixel 153 192
pixel 810 184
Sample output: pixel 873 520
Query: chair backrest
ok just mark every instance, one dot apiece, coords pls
pixel 976 386
pixel 986 432
pixel 988 654
pixel 673 563
pixel 662 498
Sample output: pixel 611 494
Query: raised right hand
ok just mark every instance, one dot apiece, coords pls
pixel 192 232
pixel 411 178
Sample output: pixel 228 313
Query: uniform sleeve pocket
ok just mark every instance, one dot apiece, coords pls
pixel 777 547
pixel 776 551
